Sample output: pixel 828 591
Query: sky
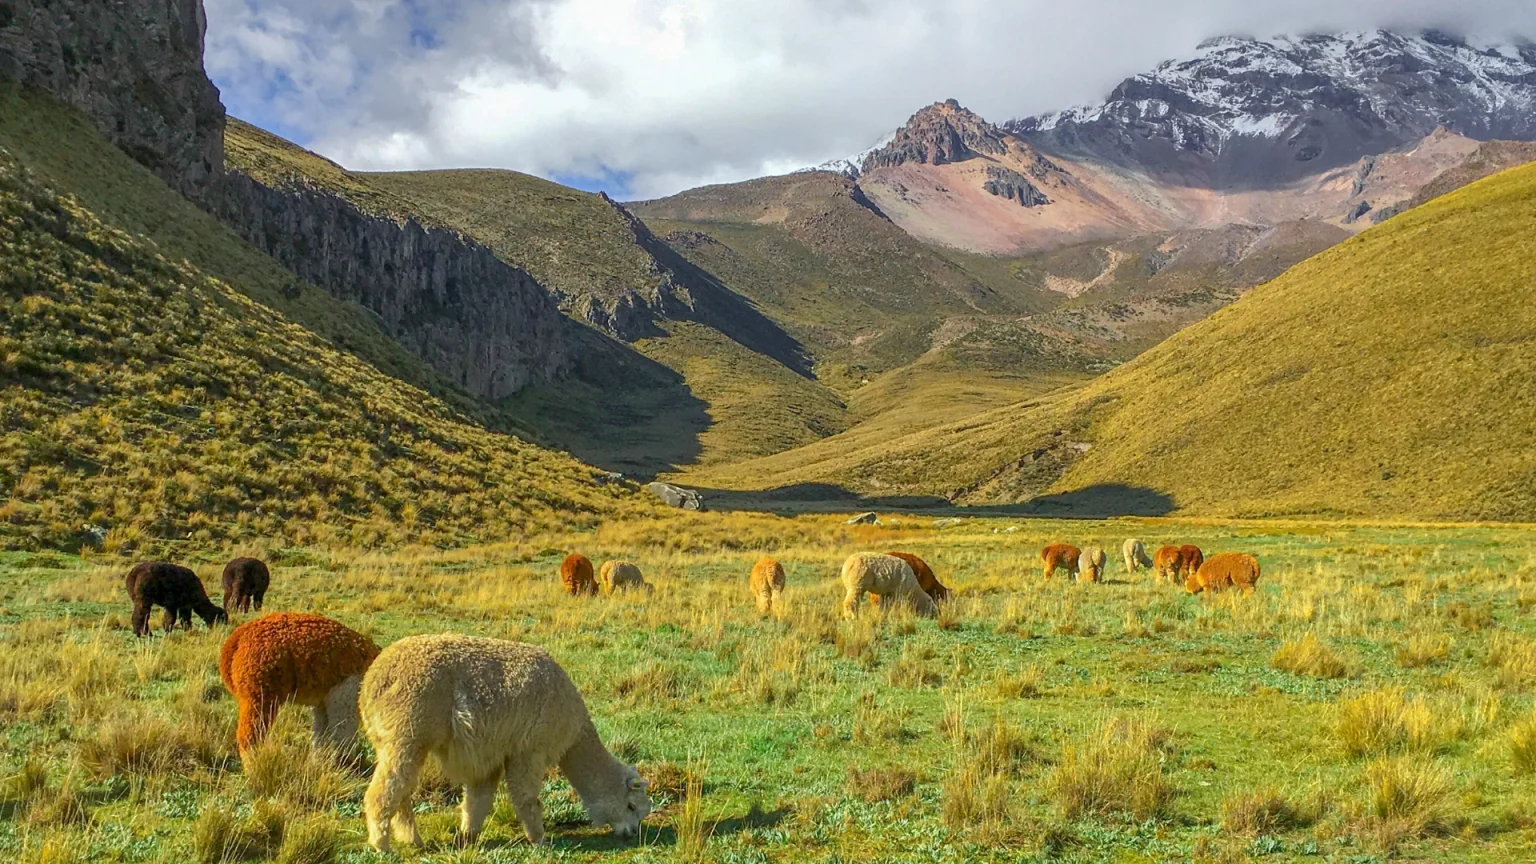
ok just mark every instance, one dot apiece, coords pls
pixel 644 98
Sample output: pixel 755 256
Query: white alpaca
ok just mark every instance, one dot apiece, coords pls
pixel 888 577
pixel 488 710
pixel 1135 556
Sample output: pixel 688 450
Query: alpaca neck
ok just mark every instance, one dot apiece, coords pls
pixel 592 771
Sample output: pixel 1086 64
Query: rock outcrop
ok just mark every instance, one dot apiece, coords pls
pixel 135 68
pixel 1010 184
pixel 676 496
pixel 941 133
pixel 486 326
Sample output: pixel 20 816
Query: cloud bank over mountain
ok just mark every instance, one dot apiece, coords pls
pixel 647 97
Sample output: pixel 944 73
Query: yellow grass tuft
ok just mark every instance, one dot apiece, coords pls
pixel 1309 656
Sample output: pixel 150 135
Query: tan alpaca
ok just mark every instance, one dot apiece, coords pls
pixel 886 576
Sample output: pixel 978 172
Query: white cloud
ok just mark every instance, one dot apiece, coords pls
pixel 676 93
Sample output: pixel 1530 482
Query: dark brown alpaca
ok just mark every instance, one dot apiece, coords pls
pixel 245 584
pixel 177 589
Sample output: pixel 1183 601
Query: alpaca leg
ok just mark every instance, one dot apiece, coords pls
pixel 478 799
pixel 764 603
pixel 851 602
pixel 776 601
pixel 523 785
pixel 340 707
pixel 320 729
pixel 140 618
pixel 255 718
pixel 388 799
pixel 260 596
pixel 168 620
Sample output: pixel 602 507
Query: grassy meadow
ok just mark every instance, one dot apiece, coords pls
pixel 1371 701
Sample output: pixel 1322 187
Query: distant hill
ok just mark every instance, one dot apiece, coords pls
pixel 1385 378
pixel 164 381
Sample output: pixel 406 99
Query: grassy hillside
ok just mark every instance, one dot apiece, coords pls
pixel 686 392
pixel 150 399
pixel 1386 377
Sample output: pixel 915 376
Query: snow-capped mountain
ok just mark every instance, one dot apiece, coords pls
pixel 1249 112
pixel 851 166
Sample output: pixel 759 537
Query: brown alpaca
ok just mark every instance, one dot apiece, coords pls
pixel 245 584
pixel 767 584
pixel 925 578
pixel 1226 570
pixel 1063 555
pixel 1168 564
pixel 1190 559
pixel 296 657
pixel 176 589
pixel 576 573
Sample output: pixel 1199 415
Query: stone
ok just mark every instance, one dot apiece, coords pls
pixel 864 519
pixel 677 496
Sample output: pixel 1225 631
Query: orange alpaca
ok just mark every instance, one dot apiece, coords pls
pixel 1062 555
pixel 295 657
pixel 767 583
pixel 1167 563
pixel 1190 559
pixel 1226 570
pixel 925 578
pixel 576 573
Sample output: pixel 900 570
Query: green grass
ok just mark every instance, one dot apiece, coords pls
pixel 150 400
pixel 1149 725
pixel 1386 377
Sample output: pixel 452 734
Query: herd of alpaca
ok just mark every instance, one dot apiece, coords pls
pixel 494 712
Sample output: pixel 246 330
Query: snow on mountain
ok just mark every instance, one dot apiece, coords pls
pixel 851 166
pixel 1288 106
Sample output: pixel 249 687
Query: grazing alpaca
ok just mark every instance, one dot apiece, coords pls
pixel 1092 561
pixel 1190 559
pixel 1060 555
pixel 887 576
pixel 245 584
pixel 1168 563
pixel 767 584
pixel 1135 556
pixel 925 578
pixel 1227 570
pixel 296 657
pixel 576 574
pixel 488 711
pixel 621 576
pixel 176 589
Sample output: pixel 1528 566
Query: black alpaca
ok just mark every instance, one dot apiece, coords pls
pixel 177 589
pixel 245 584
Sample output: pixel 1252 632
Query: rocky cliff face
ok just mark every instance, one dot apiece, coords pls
pixel 1010 184
pixel 942 132
pixel 135 67
pixel 483 324
pixel 1260 113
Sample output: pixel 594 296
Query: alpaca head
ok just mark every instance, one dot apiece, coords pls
pixel 212 615
pixel 1193 584
pixel 624 807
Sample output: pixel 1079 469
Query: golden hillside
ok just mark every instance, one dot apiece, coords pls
pixel 1387 377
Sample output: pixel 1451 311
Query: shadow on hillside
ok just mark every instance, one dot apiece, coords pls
pixel 618 410
pixel 1092 502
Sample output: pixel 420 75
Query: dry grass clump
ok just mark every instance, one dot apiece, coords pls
pixel 153 746
pixel 1026 683
pixel 979 792
pixel 1407 797
pixel 312 841
pixel 1263 811
pixel 652 682
pixel 219 836
pixel 880 784
pixel 1309 656
pixel 1386 721
pixel 1422 650
pixel 1522 745
pixel 1514 658
pixel 1119 770
pixel 298 776
pixel 912 668
pixel 692 833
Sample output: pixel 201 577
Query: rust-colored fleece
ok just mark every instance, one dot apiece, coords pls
pixel 287 657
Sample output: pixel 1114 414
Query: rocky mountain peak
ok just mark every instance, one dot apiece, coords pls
pixel 1263 112
pixel 940 133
